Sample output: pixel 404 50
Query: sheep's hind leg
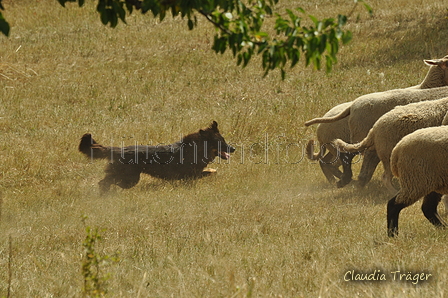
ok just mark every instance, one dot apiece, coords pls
pixel 347 174
pixel 387 177
pixel 329 167
pixel 393 212
pixel 445 203
pixel 369 164
pixel 429 208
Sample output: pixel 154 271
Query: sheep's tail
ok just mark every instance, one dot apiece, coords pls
pixel 92 149
pixel 393 163
pixel 353 148
pixel 310 151
pixel 339 116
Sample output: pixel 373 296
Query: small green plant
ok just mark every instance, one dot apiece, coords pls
pixel 92 264
pixel 9 268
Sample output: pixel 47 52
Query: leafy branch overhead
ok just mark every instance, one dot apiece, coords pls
pixel 4 25
pixel 239 28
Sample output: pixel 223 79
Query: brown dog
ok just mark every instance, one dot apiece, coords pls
pixel 186 159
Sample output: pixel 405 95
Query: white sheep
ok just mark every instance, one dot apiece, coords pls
pixel 391 128
pixel 366 109
pixel 325 133
pixel 419 161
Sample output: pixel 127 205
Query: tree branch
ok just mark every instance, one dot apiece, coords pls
pixel 138 4
pixel 217 25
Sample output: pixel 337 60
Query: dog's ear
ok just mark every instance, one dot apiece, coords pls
pixel 214 126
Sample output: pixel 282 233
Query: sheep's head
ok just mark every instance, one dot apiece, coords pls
pixel 442 63
pixel 439 68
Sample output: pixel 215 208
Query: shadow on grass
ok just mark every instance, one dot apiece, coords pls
pixel 151 184
pixel 373 193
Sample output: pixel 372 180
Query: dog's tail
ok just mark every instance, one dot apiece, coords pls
pixel 92 149
pixel 339 116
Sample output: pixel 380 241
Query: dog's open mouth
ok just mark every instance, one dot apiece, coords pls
pixel 224 155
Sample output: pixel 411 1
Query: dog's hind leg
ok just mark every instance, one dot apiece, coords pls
pixel 111 178
pixel 130 180
pixel 106 183
pixel 124 181
pixel 125 176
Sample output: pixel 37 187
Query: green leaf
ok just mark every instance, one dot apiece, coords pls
pixel 342 20
pixel 190 25
pixel 104 16
pixel 292 16
pixel 162 14
pixel 246 58
pixel 314 19
pixel 323 44
pixel 118 10
pixel 113 19
pixel 301 10
pixel 239 60
pixel 347 37
pixel 223 45
pixel 216 44
pixel 369 9
pixel 316 61
pixel 328 63
pixel 262 47
pixel 4 26
pixel 295 57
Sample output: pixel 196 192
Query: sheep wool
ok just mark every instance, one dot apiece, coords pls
pixel 366 109
pixel 325 133
pixel 391 128
pixel 420 161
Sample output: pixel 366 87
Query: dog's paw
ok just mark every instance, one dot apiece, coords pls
pixel 207 172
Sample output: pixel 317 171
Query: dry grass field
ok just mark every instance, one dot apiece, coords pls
pixel 266 225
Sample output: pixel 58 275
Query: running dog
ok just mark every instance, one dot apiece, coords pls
pixel 186 159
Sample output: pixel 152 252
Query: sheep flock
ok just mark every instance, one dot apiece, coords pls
pixel 401 128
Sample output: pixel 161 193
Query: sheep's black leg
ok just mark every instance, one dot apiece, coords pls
pixel 429 208
pixel 393 211
pixel 347 174
pixel 369 163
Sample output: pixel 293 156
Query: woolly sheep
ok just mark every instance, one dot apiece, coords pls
pixel 391 128
pixel 366 109
pixel 419 161
pixel 326 132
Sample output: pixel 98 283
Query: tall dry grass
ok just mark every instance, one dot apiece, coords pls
pixel 267 225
